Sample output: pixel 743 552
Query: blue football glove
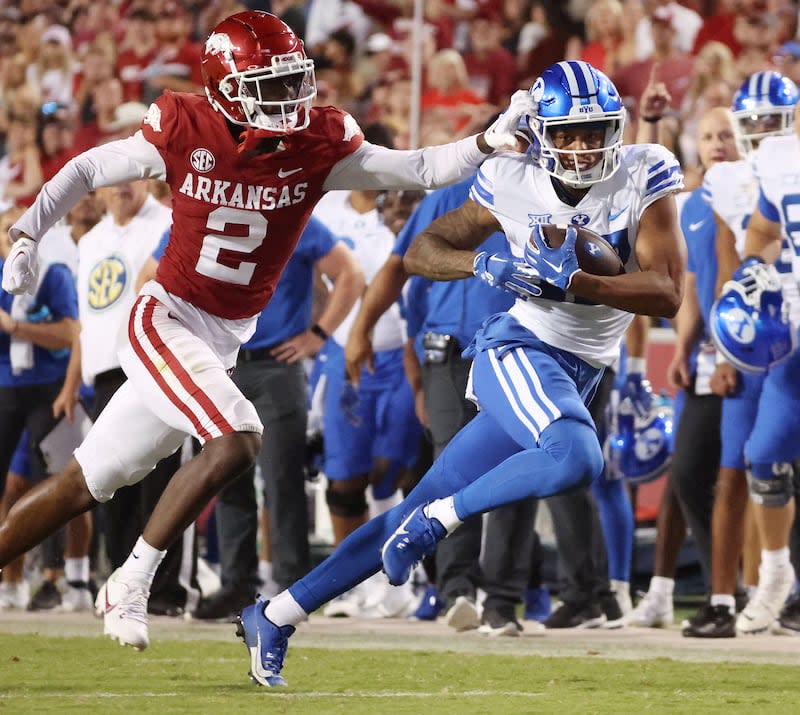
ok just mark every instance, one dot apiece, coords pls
pixel 555 266
pixel 349 402
pixel 637 392
pixel 509 273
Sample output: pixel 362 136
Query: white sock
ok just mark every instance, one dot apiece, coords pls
pixel 380 506
pixel 143 562
pixel 724 599
pixel 619 587
pixel 662 586
pixel 77 569
pixel 265 571
pixel 444 511
pixel 283 610
pixel 775 560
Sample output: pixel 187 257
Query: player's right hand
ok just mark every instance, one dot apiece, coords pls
pixel 357 353
pixel 502 132
pixel 509 273
pixel 724 380
pixel 21 267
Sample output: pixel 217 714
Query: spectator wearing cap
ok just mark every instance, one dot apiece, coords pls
pixel 671 66
pixel 137 52
pixel 53 70
pixel 687 26
pixel 55 135
pixel 491 67
pixel 787 60
pixel 176 65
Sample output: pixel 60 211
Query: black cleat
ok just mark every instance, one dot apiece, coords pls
pixel 711 622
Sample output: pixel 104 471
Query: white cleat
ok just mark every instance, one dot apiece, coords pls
pixel 14 596
pixel 653 611
pixel 125 611
pixel 765 606
pixel 622 595
pixel 347 605
pixel 462 615
pixel 76 599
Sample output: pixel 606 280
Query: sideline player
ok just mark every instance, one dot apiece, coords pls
pixel 536 366
pixel 246 165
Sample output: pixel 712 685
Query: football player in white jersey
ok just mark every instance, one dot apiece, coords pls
pixel 772 444
pixel 535 367
pixel 763 107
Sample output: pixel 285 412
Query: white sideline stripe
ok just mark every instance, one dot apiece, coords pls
pixel 289 695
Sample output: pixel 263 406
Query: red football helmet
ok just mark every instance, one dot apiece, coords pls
pixel 257 74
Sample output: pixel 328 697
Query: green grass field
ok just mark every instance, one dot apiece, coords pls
pixel 57 675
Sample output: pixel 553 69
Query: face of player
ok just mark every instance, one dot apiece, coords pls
pixel 274 89
pixel 716 139
pixel 584 139
pixel 761 124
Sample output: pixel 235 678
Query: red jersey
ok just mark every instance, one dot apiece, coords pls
pixel 237 216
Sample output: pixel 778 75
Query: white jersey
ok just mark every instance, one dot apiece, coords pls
pixel 777 167
pixel 731 189
pixel 371 242
pixel 57 246
pixel 110 258
pixel 520 194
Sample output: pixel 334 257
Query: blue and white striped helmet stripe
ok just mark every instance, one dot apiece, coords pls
pixel 581 83
pixel 758 86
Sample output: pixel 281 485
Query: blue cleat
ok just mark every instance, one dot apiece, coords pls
pixel 430 606
pixel 537 604
pixel 414 539
pixel 266 642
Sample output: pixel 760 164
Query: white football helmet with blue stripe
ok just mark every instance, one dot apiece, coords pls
pixel 764 107
pixel 571 93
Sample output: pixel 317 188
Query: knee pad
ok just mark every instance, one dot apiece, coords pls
pixel 774 491
pixel 347 504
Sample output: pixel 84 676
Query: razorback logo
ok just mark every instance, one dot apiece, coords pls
pixel 153 118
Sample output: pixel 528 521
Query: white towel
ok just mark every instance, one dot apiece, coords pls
pixel 21 351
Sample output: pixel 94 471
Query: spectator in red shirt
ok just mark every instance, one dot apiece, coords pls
pixel 55 135
pixel 106 96
pixel 176 65
pixel 491 67
pixel 97 67
pixel 137 52
pixel 604 31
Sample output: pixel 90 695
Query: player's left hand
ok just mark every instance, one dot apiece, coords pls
pixel 502 132
pixel 21 267
pixel 636 389
pixel 555 266
pixel 300 347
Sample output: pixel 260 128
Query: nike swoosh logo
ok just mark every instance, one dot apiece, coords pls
pixel 557 268
pixel 695 226
pixel 109 606
pixel 612 215
pixel 282 174
pixel 134 555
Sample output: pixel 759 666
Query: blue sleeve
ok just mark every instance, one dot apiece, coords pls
pixel 767 208
pixel 58 292
pixel 162 244
pixel 414 306
pixel 316 241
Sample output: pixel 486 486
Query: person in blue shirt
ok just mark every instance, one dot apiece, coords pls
pixel 36 332
pixel 270 372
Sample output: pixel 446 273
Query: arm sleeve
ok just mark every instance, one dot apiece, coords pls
pixel 124 160
pixel 376 167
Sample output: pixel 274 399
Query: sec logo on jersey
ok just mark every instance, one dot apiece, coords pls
pixel 107 281
pixel 202 160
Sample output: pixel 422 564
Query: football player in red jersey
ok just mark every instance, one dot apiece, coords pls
pixel 246 165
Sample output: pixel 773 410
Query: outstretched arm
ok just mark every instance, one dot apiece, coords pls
pixel 657 288
pixel 445 250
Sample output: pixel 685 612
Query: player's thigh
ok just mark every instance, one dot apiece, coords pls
pixel 776 432
pixel 348 436
pixel 180 376
pixel 738 418
pixel 125 443
pixel 526 389
pixel 397 430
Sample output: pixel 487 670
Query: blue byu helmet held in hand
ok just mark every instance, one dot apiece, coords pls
pixel 574 95
pixel 764 107
pixel 638 448
pixel 749 321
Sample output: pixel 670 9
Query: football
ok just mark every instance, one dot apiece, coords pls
pixel 595 255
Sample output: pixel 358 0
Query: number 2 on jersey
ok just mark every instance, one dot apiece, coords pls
pixel 213 243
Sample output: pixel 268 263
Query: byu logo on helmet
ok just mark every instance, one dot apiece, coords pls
pixel 571 95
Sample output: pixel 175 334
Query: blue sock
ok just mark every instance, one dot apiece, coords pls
pixel 616 518
pixel 569 456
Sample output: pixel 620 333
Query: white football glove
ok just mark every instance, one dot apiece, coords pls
pixel 21 267
pixel 502 133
